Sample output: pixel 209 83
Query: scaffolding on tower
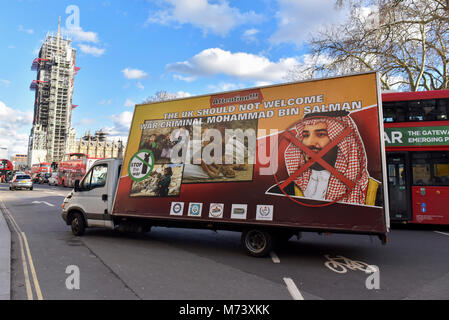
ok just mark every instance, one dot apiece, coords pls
pixel 36 63
pixel 35 83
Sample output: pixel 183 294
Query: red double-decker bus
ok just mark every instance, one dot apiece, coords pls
pixel 73 167
pixel 41 168
pixel 6 168
pixel 417 147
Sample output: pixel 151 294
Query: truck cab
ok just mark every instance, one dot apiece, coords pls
pixel 90 203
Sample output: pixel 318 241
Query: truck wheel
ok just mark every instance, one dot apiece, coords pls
pixel 258 243
pixel 78 224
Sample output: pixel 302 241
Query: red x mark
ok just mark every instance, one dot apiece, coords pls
pixel 318 157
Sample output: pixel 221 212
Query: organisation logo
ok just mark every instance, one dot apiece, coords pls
pixel 177 208
pixel 141 165
pixel 264 212
pixel 195 209
pixel 216 210
pixel 239 211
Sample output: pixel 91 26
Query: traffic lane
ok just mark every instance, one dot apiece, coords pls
pixel 53 249
pixel 181 264
pixel 224 247
pixel 410 265
pixel 121 252
pixel 311 250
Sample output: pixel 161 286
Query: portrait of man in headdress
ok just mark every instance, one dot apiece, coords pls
pixel 326 159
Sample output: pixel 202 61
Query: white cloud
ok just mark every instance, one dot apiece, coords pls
pixel 182 78
pixel 298 19
pixel 11 46
pixel 263 83
pixel 218 18
pixel 140 86
pixel 78 34
pixel 240 65
pixel 11 131
pixel 129 103
pixel 105 102
pixel 5 83
pixel 121 125
pixel 226 87
pixel 22 29
pixel 134 74
pixel 250 35
pixel 94 51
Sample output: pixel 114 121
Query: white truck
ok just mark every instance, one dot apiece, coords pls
pixel 268 162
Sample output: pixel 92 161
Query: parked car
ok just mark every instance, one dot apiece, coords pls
pixel 53 180
pixel 21 181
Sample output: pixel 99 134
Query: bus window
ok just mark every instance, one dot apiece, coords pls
pixel 416 111
pixel 430 169
pixel 442 108
pixel 421 174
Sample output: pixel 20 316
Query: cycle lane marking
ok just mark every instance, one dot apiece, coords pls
pixel 341 264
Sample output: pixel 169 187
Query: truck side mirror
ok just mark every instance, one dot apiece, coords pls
pixel 77 186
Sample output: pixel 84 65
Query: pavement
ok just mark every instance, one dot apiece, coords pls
pixel 5 259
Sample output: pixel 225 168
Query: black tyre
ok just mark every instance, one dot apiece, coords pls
pixel 78 224
pixel 257 243
pixel 31 189
pixel 10 188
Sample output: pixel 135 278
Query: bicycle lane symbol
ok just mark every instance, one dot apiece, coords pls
pixel 141 165
pixel 317 158
pixel 341 265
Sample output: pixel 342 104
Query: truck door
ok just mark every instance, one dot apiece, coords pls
pixel 93 189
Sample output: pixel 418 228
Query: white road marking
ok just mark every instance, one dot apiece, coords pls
pixel 44 202
pixel 274 257
pixel 446 234
pixel 293 289
pixel 56 194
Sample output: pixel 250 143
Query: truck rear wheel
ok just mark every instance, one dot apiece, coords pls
pixel 258 243
pixel 78 224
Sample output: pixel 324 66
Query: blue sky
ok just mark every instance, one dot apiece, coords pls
pixel 129 50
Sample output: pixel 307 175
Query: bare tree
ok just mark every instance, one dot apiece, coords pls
pixel 165 96
pixel 407 41
pixel 160 96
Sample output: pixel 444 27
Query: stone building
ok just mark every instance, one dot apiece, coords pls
pixel 97 146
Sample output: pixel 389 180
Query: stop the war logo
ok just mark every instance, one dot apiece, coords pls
pixel 141 165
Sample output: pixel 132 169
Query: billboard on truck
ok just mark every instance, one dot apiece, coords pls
pixel 306 155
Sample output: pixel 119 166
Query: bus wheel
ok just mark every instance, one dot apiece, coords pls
pixel 78 224
pixel 257 243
